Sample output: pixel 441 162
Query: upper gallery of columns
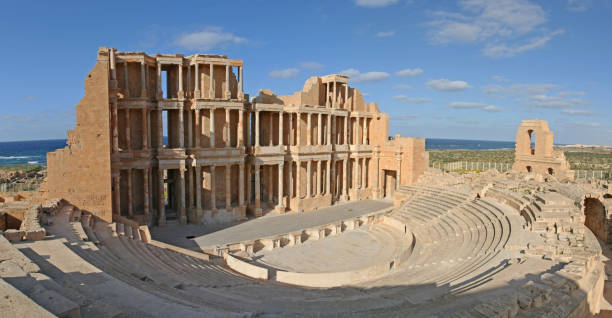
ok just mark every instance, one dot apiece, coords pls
pixel 136 75
pixel 327 92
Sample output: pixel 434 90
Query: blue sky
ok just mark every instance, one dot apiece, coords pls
pixel 467 69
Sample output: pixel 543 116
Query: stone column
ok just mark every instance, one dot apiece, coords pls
pixel 213 194
pixel 211 86
pixel 115 117
pixel 181 128
pixel 280 128
pixel 198 128
pixel 358 131
pixel 145 130
pixel 298 179
pixel 182 214
pixel 308 178
pixel 355 173
pixel 160 129
pixel 149 130
pixel 188 78
pixel 319 132
pixel 113 68
pixel 181 92
pixel 228 189
pixel 189 130
pixel 256 128
pixel 344 179
pixel 125 80
pixel 271 129
pixel 198 92
pixel 270 184
pixel 290 141
pixel 329 130
pixel 130 198
pixel 240 142
pixel 190 194
pixel 240 91
pixel 365 131
pixel 345 132
pixel 328 178
pixel 290 180
pixel 198 187
pixel 398 156
pixel 257 189
pixel 309 130
pixel 228 93
pixel 376 173
pixel 128 131
pixel 364 173
pixel 143 81
pixel 241 184
pixel 346 90
pixel 162 199
pixel 212 128
pixel 327 95
pixel 117 193
pixel 333 181
pixel 335 96
pixel 228 137
pixel 248 182
pixel 319 175
pixel 281 168
pixel 159 92
pixel 299 129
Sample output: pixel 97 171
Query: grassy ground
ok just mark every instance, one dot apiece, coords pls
pixel 26 168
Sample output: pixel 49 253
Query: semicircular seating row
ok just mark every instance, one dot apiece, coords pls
pixel 456 237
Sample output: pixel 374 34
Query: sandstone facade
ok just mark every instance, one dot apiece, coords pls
pixel 224 155
pixel 539 158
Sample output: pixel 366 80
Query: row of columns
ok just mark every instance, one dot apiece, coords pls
pixel 147 190
pixel 145 124
pixel 335 100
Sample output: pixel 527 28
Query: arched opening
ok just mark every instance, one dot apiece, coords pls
pixel 529 169
pixel 531 141
pixel 595 217
pixel 551 171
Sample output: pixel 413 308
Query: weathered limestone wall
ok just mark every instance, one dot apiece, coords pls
pixel 81 172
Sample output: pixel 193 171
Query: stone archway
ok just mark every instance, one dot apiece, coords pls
pixel 596 217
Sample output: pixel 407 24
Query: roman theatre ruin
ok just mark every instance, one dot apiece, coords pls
pixel 178 194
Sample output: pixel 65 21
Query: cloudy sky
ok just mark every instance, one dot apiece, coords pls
pixel 465 69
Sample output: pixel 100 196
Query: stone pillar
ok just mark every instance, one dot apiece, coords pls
pixel 228 137
pixel 181 128
pixel 345 132
pixel 257 190
pixel 280 128
pixel 346 90
pixel 189 143
pixel 319 188
pixel 248 182
pixel 115 117
pixel 160 129
pixel 213 189
pixel 299 129
pixel 376 173
pixel 358 130
pixel 198 128
pixel 365 131
pixel 271 129
pixel 159 92
pixel 181 92
pixel 355 173
pixel 113 68
pixel 328 178
pixel 344 179
pixel 190 194
pixel 364 173
pixel 145 130
pixel 181 190
pixel 240 142
pixel 335 96
pixel 298 179
pixel 281 206
pixel 398 156
pixel 309 130
pixel 333 178
pixel 319 128
pixel 256 128
pixel 149 130
pixel 198 187
pixel 130 201
pixel 308 177
pixel 117 193
pixel 161 196
pixel 188 79
pixel 327 95
pixel 290 180
pixel 240 90
pixel 228 93
pixel 143 81
pixel 241 184
pixel 211 86
pixel 125 80
pixel 196 78
pixel 329 126
pixel 228 188
pixel 290 141
pixel 270 184
pixel 128 131
pixel 212 128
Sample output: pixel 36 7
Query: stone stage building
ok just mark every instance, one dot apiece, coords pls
pixel 224 155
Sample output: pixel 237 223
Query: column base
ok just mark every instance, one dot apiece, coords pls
pixel 344 197
pixel 280 208
pixel 258 212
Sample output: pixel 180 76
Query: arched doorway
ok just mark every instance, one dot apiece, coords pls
pixel 531 134
pixel 595 217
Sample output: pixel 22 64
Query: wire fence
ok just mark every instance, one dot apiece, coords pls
pixel 503 167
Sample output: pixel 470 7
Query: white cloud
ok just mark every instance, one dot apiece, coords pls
pixel 402 86
pixel 538 95
pixel 209 38
pixel 286 73
pixel 519 89
pixel 409 72
pixel 499 78
pixel 385 34
pixel 578 5
pixel 493 23
pixel 374 3
pixel 578 112
pixel 358 77
pixel 501 50
pixel 445 85
pixel 412 100
pixel 556 101
pixel 470 105
pixel 311 65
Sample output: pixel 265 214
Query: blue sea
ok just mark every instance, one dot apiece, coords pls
pixel 34 152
